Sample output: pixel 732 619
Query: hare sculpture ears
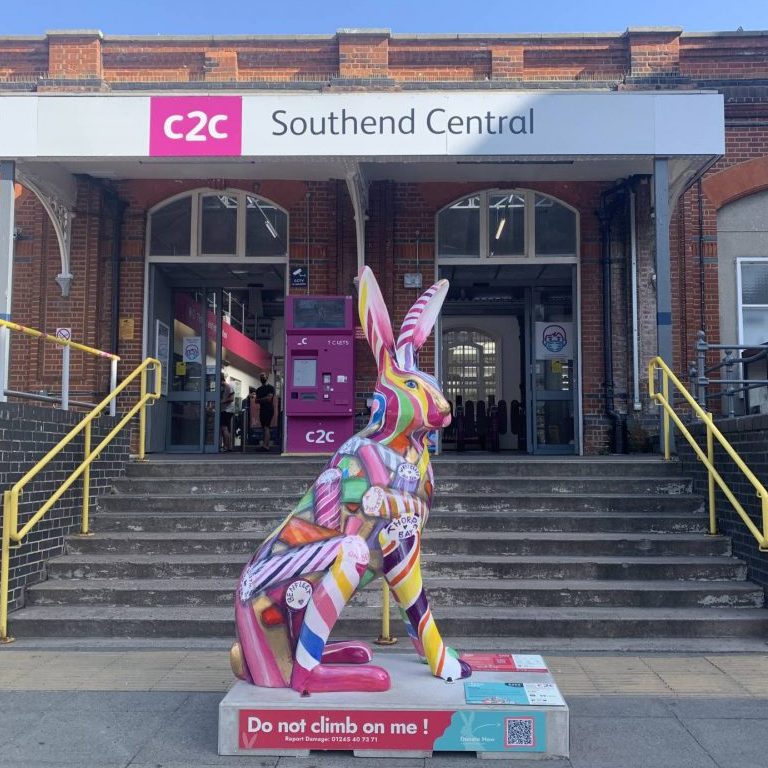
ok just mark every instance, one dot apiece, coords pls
pixel 415 329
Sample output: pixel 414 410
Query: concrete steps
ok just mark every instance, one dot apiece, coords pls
pixel 262 523
pixel 593 551
pixel 237 485
pixel 513 593
pixel 193 566
pixel 506 466
pixel 435 541
pixel 278 504
pixel 363 623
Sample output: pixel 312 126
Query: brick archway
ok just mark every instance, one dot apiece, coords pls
pixel 737 181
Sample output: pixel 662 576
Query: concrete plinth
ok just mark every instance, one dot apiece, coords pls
pixel 419 715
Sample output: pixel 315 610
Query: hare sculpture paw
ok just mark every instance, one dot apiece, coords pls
pixel 454 669
pixel 327 678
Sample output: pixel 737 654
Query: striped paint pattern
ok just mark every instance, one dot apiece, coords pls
pixel 295 562
pixel 402 570
pixel 329 598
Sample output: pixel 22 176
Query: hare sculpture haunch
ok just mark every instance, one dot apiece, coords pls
pixel 361 519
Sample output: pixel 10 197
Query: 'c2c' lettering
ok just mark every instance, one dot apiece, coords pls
pixel 189 126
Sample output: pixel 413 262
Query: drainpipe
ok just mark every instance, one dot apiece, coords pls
pixel 610 203
pixel 118 209
pixel 636 402
pixel 702 299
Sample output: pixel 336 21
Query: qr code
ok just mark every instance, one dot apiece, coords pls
pixel 519 732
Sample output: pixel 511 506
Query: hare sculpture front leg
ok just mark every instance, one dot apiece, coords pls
pixel 401 548
pixel 310 674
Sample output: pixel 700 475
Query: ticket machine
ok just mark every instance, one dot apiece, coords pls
pixel 320 375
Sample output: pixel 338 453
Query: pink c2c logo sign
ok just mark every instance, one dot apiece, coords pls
pixel 195 126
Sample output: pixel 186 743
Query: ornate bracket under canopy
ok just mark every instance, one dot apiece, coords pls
pixel 57 191
pixel 357 184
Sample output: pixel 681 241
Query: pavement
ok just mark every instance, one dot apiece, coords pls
pixel 119 705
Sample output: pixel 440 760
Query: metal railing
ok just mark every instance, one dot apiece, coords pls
pixel 13 536
pixel 733 384
pixel 657 368
pixel 66 345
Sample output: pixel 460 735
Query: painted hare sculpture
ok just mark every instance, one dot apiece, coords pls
pixel 361 519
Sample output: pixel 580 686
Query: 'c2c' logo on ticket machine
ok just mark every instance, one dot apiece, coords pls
pixel 193 126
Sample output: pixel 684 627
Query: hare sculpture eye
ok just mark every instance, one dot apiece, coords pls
pixel 411 384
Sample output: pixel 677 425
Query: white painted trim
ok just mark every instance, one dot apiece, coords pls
pixel 740 261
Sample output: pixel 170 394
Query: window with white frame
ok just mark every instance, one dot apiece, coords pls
pixel 507 224
pixel 470 365
pixel 752 287
pixel 212 223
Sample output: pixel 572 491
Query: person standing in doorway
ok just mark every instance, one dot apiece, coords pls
pixel 227 412
pixel 265 395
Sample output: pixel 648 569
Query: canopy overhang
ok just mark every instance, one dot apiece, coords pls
pixel 431 135
pixel 425 136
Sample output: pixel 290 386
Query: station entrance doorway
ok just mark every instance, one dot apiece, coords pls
pixel 215 328
pixel 509 358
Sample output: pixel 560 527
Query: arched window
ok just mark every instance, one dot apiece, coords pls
pixel 507 224
pixel 210 223
pixel 470 365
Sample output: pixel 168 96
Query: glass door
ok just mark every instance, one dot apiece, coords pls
pixel 212 434
pixel 552 366
pixel 194 385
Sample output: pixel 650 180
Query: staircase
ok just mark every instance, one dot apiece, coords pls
pixel 600 552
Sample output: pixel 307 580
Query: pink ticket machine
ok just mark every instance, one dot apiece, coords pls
pixel 320 376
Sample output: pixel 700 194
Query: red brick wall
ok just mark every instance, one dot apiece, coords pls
pixel 363 55
pixel 654 52
pixel 372 54
pixel 74 56
pixel 740 55
pixel 21 58
pixel 600 58
pixel 400 214
pixel 38 303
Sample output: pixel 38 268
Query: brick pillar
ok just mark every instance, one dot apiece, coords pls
pixel 507 62
pixel 363 53
pixel 221 65
pixel 75 55
pixel 654 51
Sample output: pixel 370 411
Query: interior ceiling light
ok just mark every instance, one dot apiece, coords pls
pixel 500 228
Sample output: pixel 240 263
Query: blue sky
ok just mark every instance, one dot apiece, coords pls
pixel 201 17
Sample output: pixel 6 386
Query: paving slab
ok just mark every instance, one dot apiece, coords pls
pixel 319 760
pixel 606 732
pixel 616 742
pixel 741 742
pixel 189 735
pixel 622 726
pixel 723 709
pixel 618 706
pixel 73 735
pixel 78 762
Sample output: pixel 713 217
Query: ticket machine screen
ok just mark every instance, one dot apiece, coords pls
pixel 319 313
pixel 304 373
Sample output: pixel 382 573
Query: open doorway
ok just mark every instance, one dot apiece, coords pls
pixel 218 328
pixel 508 358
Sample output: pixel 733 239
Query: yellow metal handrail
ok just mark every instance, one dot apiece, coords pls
pixel 708 459
pixel 56 340
pixel 11 531
pixel 66 345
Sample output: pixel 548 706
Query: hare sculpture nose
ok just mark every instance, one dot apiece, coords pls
pixel 443 408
